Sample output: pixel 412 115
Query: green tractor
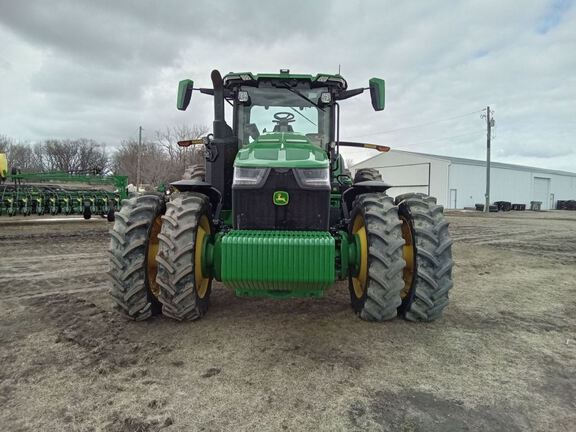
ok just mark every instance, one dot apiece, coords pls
pixel 275 213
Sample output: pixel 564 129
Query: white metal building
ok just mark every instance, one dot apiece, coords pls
pixel 459 183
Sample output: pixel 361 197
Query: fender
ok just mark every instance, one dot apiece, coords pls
pixel 204 188
pixel 358 189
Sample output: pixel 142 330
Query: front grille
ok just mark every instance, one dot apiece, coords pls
pixel 306 209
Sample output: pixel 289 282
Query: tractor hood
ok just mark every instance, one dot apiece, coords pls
pixel 282 150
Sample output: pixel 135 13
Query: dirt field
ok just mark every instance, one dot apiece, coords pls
pixel 502 359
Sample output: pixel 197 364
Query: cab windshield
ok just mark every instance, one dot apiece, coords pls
pixel 273 109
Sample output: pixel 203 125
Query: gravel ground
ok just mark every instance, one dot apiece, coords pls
pixel 502 358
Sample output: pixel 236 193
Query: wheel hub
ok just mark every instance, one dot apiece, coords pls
pixel 151 265
pixel 409 256
pixel 201 280
pixel 361 238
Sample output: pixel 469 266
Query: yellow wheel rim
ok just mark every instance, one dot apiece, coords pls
pixel 409 256
pixel 151 265
pixel 359 281
pixel 201 281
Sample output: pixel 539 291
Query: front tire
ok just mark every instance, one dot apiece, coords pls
pixel 376 286
pixel 133 248
pixel 184 288
pixel 428 255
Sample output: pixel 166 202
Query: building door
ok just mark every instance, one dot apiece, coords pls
pixel 453 204
pixel 542 192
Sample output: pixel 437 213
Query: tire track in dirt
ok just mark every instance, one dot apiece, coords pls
pixel 39 260
pixel 100 334
pixel 89 344
pixel 557 243
pixel 29 277
pixel 30 271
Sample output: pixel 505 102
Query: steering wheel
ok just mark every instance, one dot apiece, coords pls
pixel 283 117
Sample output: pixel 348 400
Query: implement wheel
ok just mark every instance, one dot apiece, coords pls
pixel 428 256
pixel 184 286
pixel 87 213
pixel 133 250
pixel 376 284
pixel 110 216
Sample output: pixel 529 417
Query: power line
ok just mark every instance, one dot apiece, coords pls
pixel 443 138
pixel 419 125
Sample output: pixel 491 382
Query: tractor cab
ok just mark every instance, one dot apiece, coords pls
pixel 284 103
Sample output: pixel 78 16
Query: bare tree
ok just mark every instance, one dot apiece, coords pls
pixel 92 156
pixel 162 160
pixel 61 155
pixel 22 156
pixel 155 163
pixel 38 157
pixel 5 143
pixel 182 157
pixel 82 154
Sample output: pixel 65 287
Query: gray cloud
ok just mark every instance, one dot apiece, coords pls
pixel 100 69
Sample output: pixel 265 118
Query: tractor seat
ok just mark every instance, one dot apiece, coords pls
pixel 283 128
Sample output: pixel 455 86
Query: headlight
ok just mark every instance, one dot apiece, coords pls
pixel 313 178
pixel 250 177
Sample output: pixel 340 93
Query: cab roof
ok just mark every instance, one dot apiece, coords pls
pixel 233 79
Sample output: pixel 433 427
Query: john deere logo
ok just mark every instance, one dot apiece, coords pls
pixel 281 198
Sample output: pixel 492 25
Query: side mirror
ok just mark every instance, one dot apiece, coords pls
pixel 377 93
pixel 184 94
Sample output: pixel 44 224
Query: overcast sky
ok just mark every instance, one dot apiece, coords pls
pixel 99 69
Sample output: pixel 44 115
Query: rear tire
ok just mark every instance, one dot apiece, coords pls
pixel 426 296
pixel 131 289
pixel 383 264
pixel 367 174
pixel 195 172
pixel 186 222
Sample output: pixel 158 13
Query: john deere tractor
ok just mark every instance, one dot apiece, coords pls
pixel 274 213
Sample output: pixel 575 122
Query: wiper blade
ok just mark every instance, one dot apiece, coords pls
pixel 299 113
pixel 296 92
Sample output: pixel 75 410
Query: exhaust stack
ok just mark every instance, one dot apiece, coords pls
pixel 223 147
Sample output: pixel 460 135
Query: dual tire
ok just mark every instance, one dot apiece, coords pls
pixel 405 266
pixel 155 265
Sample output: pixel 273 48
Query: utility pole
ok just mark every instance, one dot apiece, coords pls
pixel 488 135
pixel 139 157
